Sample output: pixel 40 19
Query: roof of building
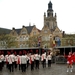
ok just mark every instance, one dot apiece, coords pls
pixel 7 31
pixel 4 31
pixel 29 29
pixel 18 30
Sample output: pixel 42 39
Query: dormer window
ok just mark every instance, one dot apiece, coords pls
pixel 34 33
pixel 24 32
pixel 12 33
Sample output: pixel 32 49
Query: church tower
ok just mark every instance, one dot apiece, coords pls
pixel 50 19
pixel 50 32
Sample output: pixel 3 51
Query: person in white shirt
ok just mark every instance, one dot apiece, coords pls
pixel 24 62
pixel 19 59
pixel 7 59
pixel 28 55
pixel 11 62
pixel 0 62
pixel 37 58
pixel 32 60
pixel 43 58
pixel 2 54
pixel 49 57
pixel 16 59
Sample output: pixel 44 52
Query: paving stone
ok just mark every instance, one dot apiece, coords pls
pixel 55 69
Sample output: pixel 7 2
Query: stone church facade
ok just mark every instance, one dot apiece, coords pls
pixel 50 33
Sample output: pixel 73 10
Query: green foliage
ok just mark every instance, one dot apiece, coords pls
pixel 8 41
pixel 33 41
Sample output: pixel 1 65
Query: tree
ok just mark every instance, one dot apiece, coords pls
pixel 8 41
pixel 33 41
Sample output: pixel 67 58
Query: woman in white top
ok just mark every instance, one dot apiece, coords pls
pixel 32 60
pixel 11 62
pixel 49 57
pixel 43 58
pixel 19 59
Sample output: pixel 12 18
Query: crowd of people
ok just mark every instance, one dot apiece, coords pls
pixel 24 59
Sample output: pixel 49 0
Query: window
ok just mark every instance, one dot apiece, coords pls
pixel 24 32
pixel 45 31
pixel 48 14
pixel 34 33
pixel 47 23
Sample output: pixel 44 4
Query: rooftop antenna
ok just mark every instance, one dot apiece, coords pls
pixel 29 24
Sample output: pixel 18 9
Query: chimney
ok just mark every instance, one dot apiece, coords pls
pixel 63 34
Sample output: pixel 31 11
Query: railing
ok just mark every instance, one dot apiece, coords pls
pixel 60 59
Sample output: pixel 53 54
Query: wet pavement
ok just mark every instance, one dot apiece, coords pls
pixel 55 69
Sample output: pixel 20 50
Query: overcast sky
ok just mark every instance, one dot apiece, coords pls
pixel 16 13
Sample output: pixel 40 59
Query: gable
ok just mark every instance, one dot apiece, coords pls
pixel 57 30
pixel 45 30
pixel 23 31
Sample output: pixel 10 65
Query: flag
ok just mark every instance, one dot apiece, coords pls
pixel 54 43
pixel 30 60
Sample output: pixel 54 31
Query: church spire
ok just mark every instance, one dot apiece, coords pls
pixel 50 5
pixel 50 10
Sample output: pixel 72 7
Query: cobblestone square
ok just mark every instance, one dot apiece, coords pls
pixel 55 69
